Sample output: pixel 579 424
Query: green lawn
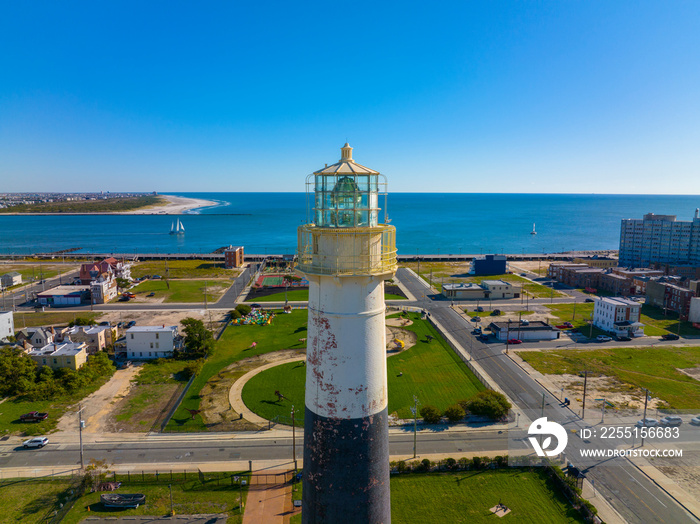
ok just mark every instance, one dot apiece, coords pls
pixel 36 271
pixel 183 269
pixel 89 206
pixel 218 494
pixel 430 370
pixel 32 500
pixel 656 323
pixel 651 368
pixel 235 344
pixel 301 295
pixel 467 496
pixel 49 318
pixel 565 313
pixel 182 290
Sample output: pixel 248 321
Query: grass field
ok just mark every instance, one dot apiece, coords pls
pixel 466 497
pixel 302 295
pixel 30 500
pixel 565 313
pixel 216 495
pixel 183 269
pixel 35 271
pixel 50 318
pixel 429 370
pixel 651 368
pixel 182 290
pixel 656 323
pixel 235 344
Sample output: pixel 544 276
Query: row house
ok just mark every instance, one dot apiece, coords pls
pixel 597 261
pixel 617 284
pixel 556 269
pixel 10 279
pixel 580 277
pixel 670 296
pixel 95 338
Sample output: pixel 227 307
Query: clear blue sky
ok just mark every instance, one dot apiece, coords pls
pixel 560 96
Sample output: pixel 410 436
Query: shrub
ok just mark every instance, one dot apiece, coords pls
pixel 454 413
pixel 430 414
pixel 476 461
pixel 401 466
pixel 425 464
pixel 82 321
pixel 234 314
pixel 464 463
pixel 192 369
pixel 490 404
pixel 243 309
pixel 451 463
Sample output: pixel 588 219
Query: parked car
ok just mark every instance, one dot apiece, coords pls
pixel 603 338
pixel 156 277
pixel 568 324
pixel 524 322
pixel 33 416
pixel 623 338
pixel 589 300
pixel 483 337
pixel 128 294
pixel 523 274
pixel 479 309
pixel 647 422
pixel 671 421
pixel 105 323
pixel 476 319
pixel 36 442
pixel 151 294
pixel 476 331
pixel 496 313
pixel 669 336
pixel 514 341
pixel 695 421
pixel 124 298
pixel 131 323
pixel 125 364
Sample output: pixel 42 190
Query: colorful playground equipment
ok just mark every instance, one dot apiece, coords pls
pixel 256 316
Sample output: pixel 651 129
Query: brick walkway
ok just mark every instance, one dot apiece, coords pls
pixel 268 503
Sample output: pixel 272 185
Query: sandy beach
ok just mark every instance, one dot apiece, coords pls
pixel 176 205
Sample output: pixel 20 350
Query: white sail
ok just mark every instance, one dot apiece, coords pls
pixel 182 227
pixel 533 232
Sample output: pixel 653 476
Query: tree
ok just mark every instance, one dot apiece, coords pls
pixel 122 283
pixel 489 403
pixel 430 414
pixel 243 309
pixel 95 474
pixel 454 413
pixel 82 321
pixel 198 339
pixel 17 371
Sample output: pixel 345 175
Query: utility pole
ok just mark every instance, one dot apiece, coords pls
pixel 172 512
pixel 507 335
pixel 585 382
pixel 646 398
pixel 573 317
pixel 414 410
pixel 80 430
pixel 294 442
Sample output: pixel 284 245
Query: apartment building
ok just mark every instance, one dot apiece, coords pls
pixel 618 315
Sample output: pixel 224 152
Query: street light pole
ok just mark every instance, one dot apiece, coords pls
pixel 414 409
pixel 80 431
pixel 294 442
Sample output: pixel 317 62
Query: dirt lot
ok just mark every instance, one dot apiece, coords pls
pixel 169 318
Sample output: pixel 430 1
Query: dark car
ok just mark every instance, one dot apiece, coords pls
pixel 476 331
pixel 483 337
pixel 669 336
pixel 479 309
pixel 514 341
pixel 496 313
pixel 151 294
pixel 476 319
pixel 589 300
pixel 623 338
pixel 131 324
pixel 124 298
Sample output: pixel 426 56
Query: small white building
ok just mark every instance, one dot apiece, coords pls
pixel 64 296
pixel 694 312
pixel 496 289
pixel 151 342
pixel 618 315
pixel 535 330
pixel 103 290
pixel 10 279
pixel 7 325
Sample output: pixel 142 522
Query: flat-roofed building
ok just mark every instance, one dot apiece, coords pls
pixel 489 265
pixel 498 289
pixel 464 290
pixel 618 315
pixel 534 330
pixel 233 257
pixel 597 261
pixel 151 342
pixel 7 325
pixel 64 296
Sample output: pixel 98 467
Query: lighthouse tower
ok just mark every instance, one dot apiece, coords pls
pixel 346 254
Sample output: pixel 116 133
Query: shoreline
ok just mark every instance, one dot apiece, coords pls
pixel 176 205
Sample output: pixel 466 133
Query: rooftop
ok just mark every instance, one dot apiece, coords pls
pixel 151 329
pixel 535 325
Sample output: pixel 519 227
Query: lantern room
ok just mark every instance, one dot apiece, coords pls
pixel 346 194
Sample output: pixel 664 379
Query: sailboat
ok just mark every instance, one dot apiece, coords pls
pixel 177 228
pixel 533 232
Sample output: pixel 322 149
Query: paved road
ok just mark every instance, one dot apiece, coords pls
pixel 630 492
pixel 185 449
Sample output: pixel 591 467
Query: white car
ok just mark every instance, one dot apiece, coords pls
pixel 603 338
pixel 37 442
pixel 671 421
pixel 695 421
pixel 647 422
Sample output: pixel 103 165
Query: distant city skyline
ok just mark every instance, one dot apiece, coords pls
pixel 469 97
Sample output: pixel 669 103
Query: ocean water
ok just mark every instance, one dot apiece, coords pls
pixel 430 223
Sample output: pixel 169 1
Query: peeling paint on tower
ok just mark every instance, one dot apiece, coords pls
pixel 346 254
